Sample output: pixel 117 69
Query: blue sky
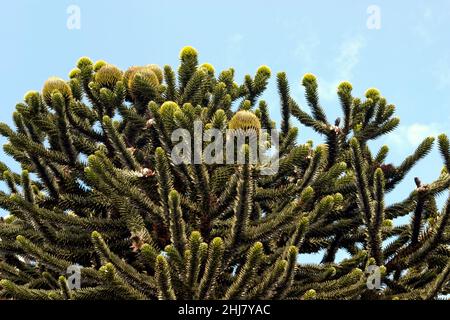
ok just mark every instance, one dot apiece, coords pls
pixel 407 58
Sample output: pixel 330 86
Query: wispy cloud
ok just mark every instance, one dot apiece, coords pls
pixel 235 39
pixel 428 23
pixel 441 73
pixel 413 134
pixel 425 23
pixel 346 61
pixel 302 33
pixel 306 50
pixel 234 45
pixel 349 56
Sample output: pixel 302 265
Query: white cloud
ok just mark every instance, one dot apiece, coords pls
pixel 406 136
pixel 328 89
pixel 235 38
pixel 342 67
pixel 424 25
pixel 234 45
pixel 303 34
pixel 349 56
pixel 234 41
pixel 347 59
pixel 428 23
pixel 428 26
pixel 305 50
pixel 441 73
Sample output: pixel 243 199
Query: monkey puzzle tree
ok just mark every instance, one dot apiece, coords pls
pixel 99 189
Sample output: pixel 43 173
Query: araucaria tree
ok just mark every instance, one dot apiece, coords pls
pixel 99 189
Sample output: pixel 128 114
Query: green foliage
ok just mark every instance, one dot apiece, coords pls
pixel 98 188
